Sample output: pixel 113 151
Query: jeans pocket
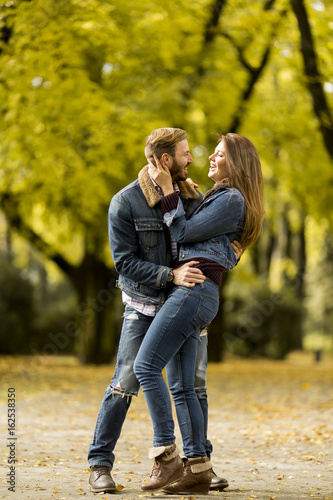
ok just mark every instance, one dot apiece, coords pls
pixel 206 312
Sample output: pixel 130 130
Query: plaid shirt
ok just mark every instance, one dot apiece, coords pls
pixel 143 307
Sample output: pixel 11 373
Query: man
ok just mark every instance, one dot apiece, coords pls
pixel 143 252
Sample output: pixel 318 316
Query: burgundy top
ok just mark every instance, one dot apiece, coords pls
pixel 212 270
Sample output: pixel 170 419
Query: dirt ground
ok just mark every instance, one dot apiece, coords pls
pixel 271 424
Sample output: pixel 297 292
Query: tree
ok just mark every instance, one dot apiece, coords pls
pixel 83 85
pixel 314 78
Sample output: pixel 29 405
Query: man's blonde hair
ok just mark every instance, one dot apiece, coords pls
pixel 163 140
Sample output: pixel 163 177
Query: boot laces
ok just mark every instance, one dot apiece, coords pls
pixel 155 469
pixel 102 470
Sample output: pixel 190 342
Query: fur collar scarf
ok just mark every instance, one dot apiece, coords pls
pixel 218 186
pixel 152 195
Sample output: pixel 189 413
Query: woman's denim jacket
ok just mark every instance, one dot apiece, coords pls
pixel 216 222
pixel 140 241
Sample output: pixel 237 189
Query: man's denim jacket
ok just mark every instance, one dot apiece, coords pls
pixel 140 241
pixel 216 222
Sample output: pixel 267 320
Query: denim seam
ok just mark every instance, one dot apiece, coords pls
pixel 189 423
pixel 155 348
pixel 166 324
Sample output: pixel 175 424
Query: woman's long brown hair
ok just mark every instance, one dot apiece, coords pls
pixel 244 173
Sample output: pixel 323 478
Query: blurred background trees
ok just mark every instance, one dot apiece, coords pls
pixel 82 85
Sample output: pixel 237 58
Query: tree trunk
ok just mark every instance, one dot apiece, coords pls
pixel 296 250
pixel 95 287
pixel 312 72
pixel 96 327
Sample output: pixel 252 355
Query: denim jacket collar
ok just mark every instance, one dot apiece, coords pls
pixel 152 195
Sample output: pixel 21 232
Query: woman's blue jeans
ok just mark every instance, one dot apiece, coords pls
pixel 115 404
pixel 173 335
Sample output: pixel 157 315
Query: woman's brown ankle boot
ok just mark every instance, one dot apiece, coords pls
pixel 196 477
pixel 167 468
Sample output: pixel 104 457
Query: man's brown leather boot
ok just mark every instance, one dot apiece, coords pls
pixel 196 477
pixel 167 468
pixel 100 479
pixel 217 483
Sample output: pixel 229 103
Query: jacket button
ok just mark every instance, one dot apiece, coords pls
pixel 183 255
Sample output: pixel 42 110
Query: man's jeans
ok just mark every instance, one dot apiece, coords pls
pixel 173 338
pixel 124 385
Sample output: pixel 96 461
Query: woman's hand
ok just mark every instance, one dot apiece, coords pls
pixel 237 248
pixel 161 176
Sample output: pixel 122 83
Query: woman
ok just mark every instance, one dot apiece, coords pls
pixel 231 210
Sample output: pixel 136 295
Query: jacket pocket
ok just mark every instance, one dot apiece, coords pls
pixel 149 233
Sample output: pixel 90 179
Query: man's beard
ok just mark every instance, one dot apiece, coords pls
pixel 177 171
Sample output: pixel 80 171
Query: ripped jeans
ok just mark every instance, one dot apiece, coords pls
pixel 115 404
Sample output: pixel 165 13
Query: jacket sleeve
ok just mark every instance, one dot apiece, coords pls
pixel 125 247
pixel 220 215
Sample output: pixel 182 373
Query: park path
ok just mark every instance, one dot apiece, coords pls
pixel 271 424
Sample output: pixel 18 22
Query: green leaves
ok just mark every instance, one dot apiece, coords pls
pixel 84 83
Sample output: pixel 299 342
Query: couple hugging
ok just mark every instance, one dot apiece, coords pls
pixel 171 246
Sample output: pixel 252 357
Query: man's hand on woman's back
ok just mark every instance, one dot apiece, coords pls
pixel 189 276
